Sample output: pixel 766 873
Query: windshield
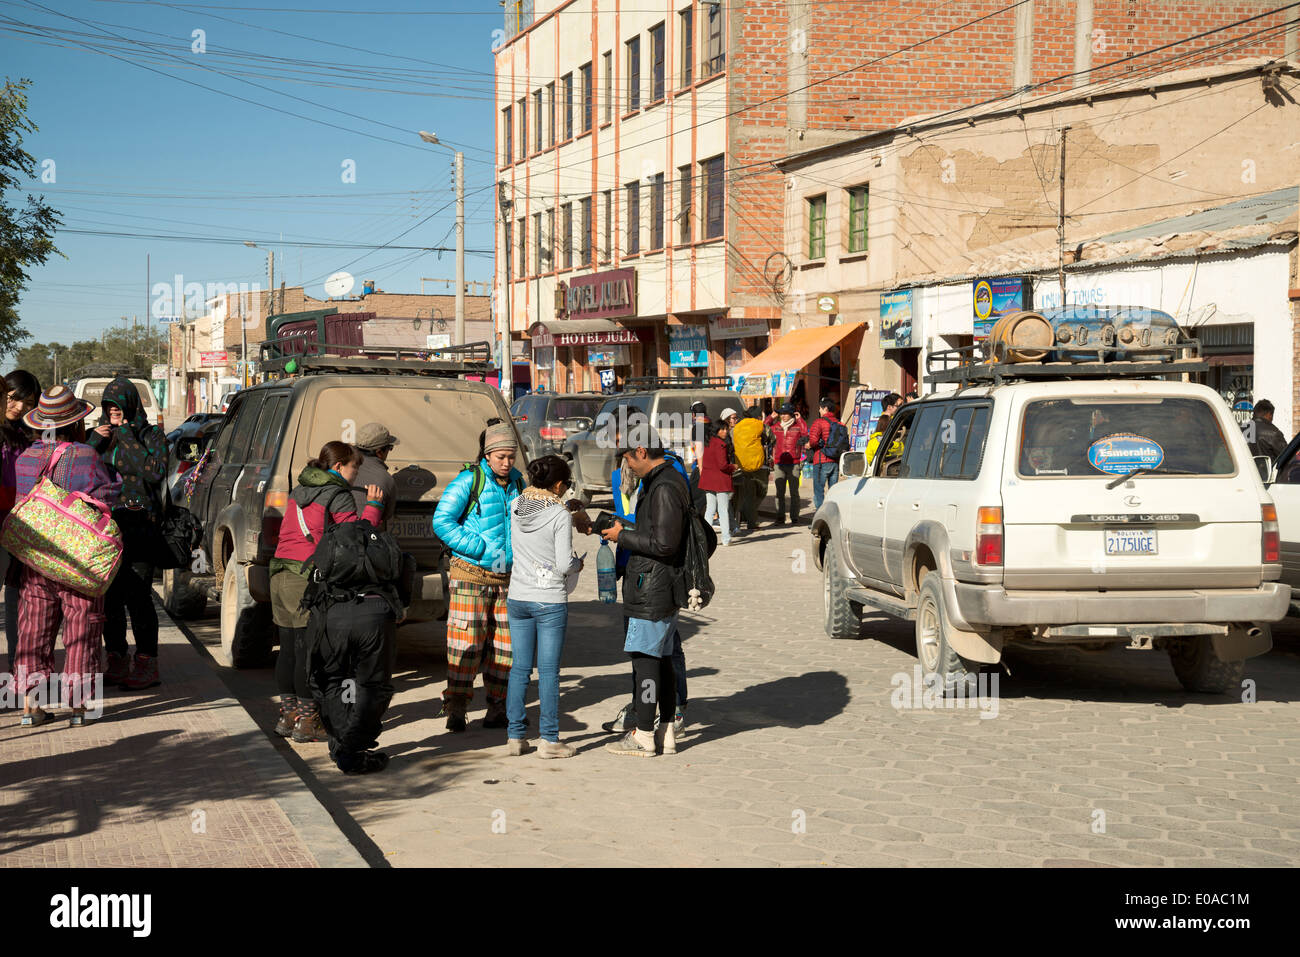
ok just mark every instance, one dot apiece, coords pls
pixel 1099 436
pixel 575 408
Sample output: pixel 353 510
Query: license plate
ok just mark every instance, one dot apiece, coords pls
pixel 412 527
pixel 1130 541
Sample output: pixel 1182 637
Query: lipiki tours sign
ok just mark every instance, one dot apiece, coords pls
pixel 601 295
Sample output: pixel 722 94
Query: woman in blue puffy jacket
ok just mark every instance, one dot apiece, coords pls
pixel 473 519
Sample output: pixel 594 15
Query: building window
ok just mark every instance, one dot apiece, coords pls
pixel 508 135
pixel 519 16
pixel 584 235
pixel 537 244
pixel 550 113
pixel 607 63
pixel 656 63
pixel 608 247
pixel 522 258
pixel 817 227
pixel 715 53
pixel 686 27
pixel 566 95
pixel 633 194
pixel 537 121
pixel 523 127
pixel 508 237
pixel 858 219
pixel 657 212
pixel 714 196
pixel 685 202
pixel 633 74
pixel 587 94
pixel 566 236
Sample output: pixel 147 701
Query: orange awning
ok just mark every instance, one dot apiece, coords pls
pixel 797 348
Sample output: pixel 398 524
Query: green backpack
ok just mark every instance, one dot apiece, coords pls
pixel 476 489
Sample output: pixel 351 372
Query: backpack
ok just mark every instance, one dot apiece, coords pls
pixel 178 535
pixel 351 557
pixel 68 537
pixel 749 445
pixel 837 440
pixel 694 589
pixel 476 489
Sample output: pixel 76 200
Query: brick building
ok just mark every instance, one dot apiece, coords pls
pixel 635 142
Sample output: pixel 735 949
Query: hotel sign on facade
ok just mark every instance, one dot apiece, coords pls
pixel 602 295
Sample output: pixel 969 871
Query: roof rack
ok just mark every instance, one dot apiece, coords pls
pixel 473 358
pixel 978 364
pixel 645 383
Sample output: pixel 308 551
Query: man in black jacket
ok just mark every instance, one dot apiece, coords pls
pixel 657 547
pixel 1263 437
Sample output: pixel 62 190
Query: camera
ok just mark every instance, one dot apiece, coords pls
pixel 606 520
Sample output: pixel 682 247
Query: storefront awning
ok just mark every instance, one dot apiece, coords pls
pixel 797 348
pixel 557 326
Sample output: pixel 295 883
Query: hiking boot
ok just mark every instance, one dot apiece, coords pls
pixel 555 749
pixel 665 738
pixel 517 746
pixel 455 715
pixel 496 716
pixel 144 674
pixel 367 762
pixel 118 670
pixel 308 727
pixel 639 744
pixel 288 715
pixel 624 721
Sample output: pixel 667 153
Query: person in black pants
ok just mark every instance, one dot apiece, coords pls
pixel 137 452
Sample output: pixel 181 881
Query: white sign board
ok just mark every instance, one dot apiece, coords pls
pixel 440 341
pixel 158 371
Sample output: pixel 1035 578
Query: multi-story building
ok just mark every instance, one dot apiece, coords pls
pixel 641 216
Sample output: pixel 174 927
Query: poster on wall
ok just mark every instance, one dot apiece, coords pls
pixel 688 346
pixel 866 413
pixel 896 319
pixel 993 299
pixel 608 356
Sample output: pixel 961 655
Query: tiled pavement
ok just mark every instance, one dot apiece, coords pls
pixel 177 776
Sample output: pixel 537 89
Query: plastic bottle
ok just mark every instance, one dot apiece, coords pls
pixel 605 582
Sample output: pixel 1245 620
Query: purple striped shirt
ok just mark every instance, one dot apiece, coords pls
pixel 80 469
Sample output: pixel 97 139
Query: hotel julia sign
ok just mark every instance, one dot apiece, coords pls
pixel 602 295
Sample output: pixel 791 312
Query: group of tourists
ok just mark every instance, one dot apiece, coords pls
pixel 120 464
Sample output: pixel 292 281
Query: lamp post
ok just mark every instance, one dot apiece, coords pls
pixel 460 234
pixel 243 326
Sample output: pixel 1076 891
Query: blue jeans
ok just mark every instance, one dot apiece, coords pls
pixel 824 474
pixel 536 629
pixel 718 504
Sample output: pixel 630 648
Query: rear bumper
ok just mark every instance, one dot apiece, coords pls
pixel 994 606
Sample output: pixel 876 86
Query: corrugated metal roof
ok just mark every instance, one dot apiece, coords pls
pixel 1275 207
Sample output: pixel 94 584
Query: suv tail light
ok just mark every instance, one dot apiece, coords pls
pixel 1272 541
pixel 552 433
pixel 988 536
pixel 273 506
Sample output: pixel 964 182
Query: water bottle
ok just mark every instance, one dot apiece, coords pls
pixel 605 573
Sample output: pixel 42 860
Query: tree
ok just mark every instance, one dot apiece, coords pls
pixel 26 232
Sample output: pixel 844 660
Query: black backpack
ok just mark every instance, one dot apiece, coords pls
pixel 179 534
pixel 694 587
pixel 351 558
pixel 837 440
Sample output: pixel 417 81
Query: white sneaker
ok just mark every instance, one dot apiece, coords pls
pixel 555 749
pixel 665 738
pixel 517 746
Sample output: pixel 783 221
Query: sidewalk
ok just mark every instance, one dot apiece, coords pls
pixel 176 776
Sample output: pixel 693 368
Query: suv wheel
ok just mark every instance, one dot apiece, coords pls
pixel 181 599
pixel 245 624
pixel 1200 669
pixel 842 617
pixel 932 648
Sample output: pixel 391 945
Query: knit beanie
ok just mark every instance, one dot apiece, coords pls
pixel 499 436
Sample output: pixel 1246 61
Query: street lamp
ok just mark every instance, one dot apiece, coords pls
pixel 432 138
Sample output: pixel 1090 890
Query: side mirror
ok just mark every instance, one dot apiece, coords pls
pixel 1265 466
pixel 853 464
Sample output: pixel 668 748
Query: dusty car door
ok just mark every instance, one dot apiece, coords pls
pixel 217 481
pixel 906 501
pixel 865 521
pixel 249 491
pixel 1285 492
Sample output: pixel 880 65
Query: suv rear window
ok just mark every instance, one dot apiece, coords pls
pixel 93 392
pixel 1100 435
pixel 574 408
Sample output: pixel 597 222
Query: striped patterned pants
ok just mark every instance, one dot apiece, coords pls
pixel 478 637
pixel 43 606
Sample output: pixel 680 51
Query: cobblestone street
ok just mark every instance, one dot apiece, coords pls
pixel 795 753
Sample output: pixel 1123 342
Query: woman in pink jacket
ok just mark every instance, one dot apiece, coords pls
pixel 322 496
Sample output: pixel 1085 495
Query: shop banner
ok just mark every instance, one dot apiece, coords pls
pixel 993 299
pixel 769 384
pixel 601 295
pixel 866 413
pixel 736 327
pixel 212 358
pixel 896 319
pixel 688 347
pixel 608 356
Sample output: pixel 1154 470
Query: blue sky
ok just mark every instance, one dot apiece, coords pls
pixel 139 148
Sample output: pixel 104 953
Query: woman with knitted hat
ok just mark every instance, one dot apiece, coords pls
pixel 473 520
pixel 45 605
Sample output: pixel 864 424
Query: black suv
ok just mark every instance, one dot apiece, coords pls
pixel 546 420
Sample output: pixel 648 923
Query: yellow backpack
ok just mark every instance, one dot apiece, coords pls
pixel 747 440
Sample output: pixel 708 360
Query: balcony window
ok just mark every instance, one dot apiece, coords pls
pixel 817 227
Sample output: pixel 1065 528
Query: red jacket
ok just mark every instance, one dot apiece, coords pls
pixel 817 436
pixel 715 470
pixel 788 449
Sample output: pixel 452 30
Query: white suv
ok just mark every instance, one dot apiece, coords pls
pixel 1062 512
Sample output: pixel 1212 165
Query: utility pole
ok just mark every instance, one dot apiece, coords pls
pixel 1060 224
pixel 460 248
pixel 499 321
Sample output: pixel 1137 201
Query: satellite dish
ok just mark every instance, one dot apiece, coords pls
pixel 339 284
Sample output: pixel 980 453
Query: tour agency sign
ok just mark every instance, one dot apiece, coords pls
pixel 602 295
